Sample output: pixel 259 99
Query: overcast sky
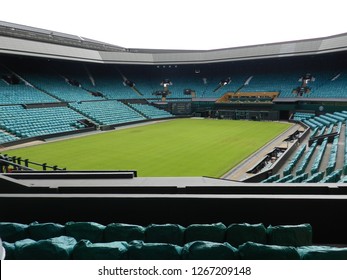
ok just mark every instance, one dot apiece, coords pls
pixel 182 24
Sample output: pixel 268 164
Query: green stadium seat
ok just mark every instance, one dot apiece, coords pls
pixel 85 230
pixel 322 253
pixel 139 250
pixel 123 232
pixel 85 250
pixel 290 235
pixel 237 234
pixel 206 250
pixel 165 233
pixel 38 231
pixel 11 232
pixel 58 248
pixel 205 232
pixel 255 251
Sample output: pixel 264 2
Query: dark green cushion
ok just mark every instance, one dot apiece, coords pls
pixel 237 234
pixel 85 250
pixel 256 251
pixel 85 230
pixel 12 232
pixel 138 250
pixel 165 233
pixel 322 253
pixel 205 232
pixel 206 250
pixel 57 248
pixel 123 232
pixel 290 235
pixel 10 250
pixel 38 231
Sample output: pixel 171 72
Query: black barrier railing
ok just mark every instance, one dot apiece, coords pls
pixel 8 166
pixel 11 163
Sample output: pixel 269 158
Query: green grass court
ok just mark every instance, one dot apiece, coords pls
pixel 181 147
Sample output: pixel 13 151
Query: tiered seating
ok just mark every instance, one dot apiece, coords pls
pixel 333 177
pixel 145 87
pixel 59 87
pixel 333 156
pixel 38 121
pixel 341 114
pixel 6 137
pixel 308 155
pixel 331 128
pixel 313 132
pixel 291 164
pixel 151 112
pixel 300 116
pixel 77 72
pixel 108 112
pixel 332 88
pixel 336 117
pixel 285 179
pixel 110 83
pixel 206 87
pixel 319 157
pixel 321 131
pixel 298 179
pixel 310 124
pixel 343 179
pixel 322 125
pixel 323 121
pixel 315 178
pixel 282 82
pixel 318 160
pixel 318 122
pixel 21 93
pixel 328 119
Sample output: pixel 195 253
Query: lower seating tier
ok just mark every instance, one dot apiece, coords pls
pixel 107 112
pixel 24 123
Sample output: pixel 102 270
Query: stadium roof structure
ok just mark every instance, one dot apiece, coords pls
pixel 23 40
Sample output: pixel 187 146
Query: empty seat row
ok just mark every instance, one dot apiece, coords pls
pixel 319 157
pixel 234 234
pixel 21 93
pixel 298 179
pixel 333 156
pixel 107 112
pixel 291 164
pixel 333 177
pixel 25 123
pixel 315 178
pixel 65 248
pixel 59 87
pixel 151 112
pixel 307 157
pixel 300 116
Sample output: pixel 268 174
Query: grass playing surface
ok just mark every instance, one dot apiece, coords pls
pixel 182 147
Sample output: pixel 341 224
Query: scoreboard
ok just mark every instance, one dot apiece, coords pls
pixel 181 108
